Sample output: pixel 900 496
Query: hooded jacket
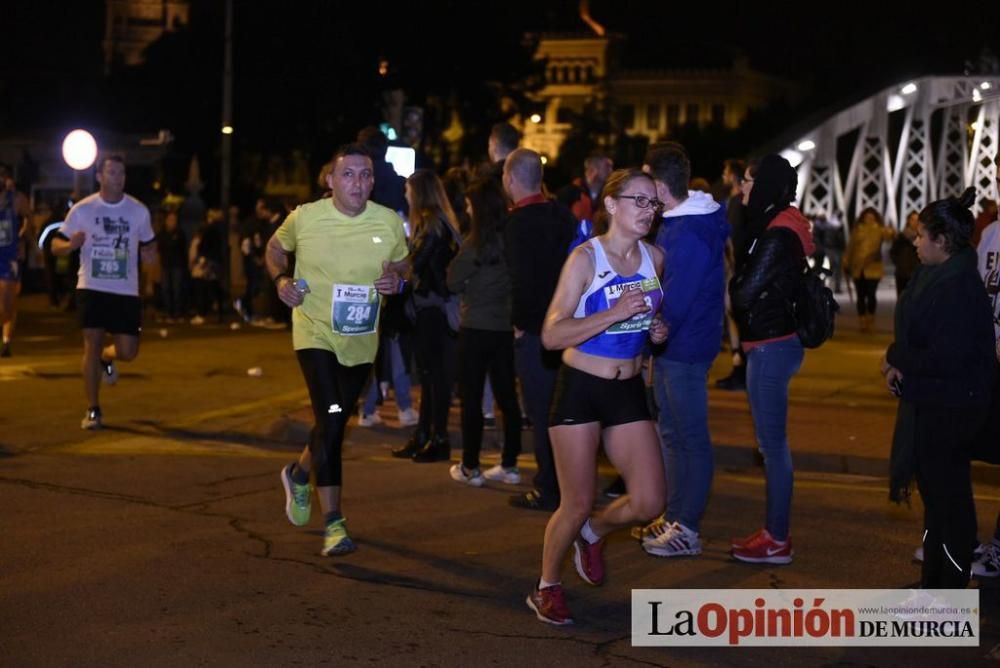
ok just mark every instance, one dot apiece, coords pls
pixel 761 292
pixel 693 238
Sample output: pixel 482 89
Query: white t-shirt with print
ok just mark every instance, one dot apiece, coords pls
pixel 989 269
pixel 109 257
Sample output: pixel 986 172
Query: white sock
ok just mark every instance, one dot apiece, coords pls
pixel 543 583
pixel 588 534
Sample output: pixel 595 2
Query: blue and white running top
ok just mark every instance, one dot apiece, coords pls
pixel 10 228
pixel 623 340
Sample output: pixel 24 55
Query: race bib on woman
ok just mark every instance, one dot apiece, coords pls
pixel 355 309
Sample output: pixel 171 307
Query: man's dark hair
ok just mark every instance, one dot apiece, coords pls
pixel 350 149
pixel 272 204
pixel 506 136
pixel 737 168
pixel 668 162
pixel 109 157
pixel 375 141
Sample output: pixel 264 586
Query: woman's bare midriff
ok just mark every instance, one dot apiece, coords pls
pixel 602 367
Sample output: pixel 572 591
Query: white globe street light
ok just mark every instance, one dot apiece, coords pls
pixel 79 149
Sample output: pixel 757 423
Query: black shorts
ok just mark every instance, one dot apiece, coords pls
pixel 581 398
pixel 115 314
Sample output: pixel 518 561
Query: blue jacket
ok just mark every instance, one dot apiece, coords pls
pixel 693 238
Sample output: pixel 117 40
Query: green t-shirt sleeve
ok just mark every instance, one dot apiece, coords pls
pixel 399 250
pixel 286 234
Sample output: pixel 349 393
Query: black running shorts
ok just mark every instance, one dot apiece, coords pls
pixel 115 314
pixel 581 398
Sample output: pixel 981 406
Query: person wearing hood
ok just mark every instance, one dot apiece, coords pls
pixel 760 295
pixel 941 365
pixel 692 236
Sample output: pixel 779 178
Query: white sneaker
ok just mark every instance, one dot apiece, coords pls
pixel 91 420
pixel 369 420
pixel 473 478
pixel 408 418
pixel 651 530
pixel 677 541
pixel 987 563
pixel 498 473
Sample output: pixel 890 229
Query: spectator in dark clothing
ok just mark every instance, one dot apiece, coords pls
pixel 435 242
pixel 941 365
pixel 504 139
pixel 485 340
pixel 536 240
pixel 583 195
pixel 903 254
pixel 733 173
pixel 389 186
pixel 271 213
pixel 252 244
pixel 173 266
pixel 206 256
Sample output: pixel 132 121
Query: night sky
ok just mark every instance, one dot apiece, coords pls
pixel 306 72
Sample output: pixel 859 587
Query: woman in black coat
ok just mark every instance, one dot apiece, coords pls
pixel 941 365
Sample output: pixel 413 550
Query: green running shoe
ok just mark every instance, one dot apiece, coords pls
pixel 298 503
pixel 336 541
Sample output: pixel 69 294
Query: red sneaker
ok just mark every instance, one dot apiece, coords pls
pixel 589 561
pixel 549 605
pixel 740 543
pixel 763 549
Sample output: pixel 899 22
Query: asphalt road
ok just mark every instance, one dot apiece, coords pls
pixel 161 540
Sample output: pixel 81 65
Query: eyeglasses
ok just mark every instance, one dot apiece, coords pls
pixel 643 202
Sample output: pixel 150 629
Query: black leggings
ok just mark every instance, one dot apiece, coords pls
pixel 333 391
pixel 943 445
pixel 434 345
pixel 866 288
pixel 481 351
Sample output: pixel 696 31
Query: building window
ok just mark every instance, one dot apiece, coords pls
pixel 653 117
pixel 626 116
pixel 673 116
pixel 718 114
pixel 590 75
pixel 691 114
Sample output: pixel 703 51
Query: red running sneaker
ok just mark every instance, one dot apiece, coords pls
pixel 763 549
pixel 739 543
pixel 589 561
pixel 549 605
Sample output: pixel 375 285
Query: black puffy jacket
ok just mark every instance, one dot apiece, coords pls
pixel 760 293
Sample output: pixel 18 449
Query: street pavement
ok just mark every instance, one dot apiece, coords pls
pixel 162 541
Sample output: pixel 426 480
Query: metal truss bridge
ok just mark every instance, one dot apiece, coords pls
pixel 901 149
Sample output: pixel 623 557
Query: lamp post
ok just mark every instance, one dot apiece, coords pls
pixel 79 150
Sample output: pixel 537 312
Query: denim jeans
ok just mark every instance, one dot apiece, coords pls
pixel 770 368
pixel 392 360
pixel 682 400
pixel 536 369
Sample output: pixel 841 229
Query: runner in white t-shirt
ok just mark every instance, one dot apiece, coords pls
pixel 111 230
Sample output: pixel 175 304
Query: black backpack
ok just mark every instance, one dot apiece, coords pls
pixel 814 308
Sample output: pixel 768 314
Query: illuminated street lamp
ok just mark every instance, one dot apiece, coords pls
pixel 79 149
